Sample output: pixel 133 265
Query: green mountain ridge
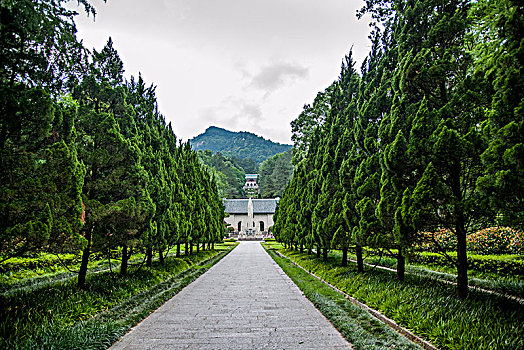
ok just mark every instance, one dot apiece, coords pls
pixel 242 144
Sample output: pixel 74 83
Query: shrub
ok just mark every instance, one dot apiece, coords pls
pixel 496 240
pixel 41 261
pixel 443 239
pixel 501 264
pixel 491 240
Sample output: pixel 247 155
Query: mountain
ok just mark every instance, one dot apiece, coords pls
pixel 243 145
pixel 229 176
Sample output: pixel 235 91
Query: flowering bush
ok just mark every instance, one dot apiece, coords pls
pixel 517 243
pixel 496 240
pixel 437 241
pixel 491 240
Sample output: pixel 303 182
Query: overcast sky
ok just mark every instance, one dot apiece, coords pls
pixel 244 65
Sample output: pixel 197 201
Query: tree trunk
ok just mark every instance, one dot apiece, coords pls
pixel 309 250
pixel 344 256
pixel 85 260
pixel 186 248
pixel 208 245
pixel 324 254
pixel 149 257
pixel 125 257
pixel 161 256
pixel 178 250
pixel 401 265
pixel 462 263
pixel 213 246
pixel 191 248
pixel 360 260
pixel 318 252
pixel 460 231
pixel 197 247
pixel 301 248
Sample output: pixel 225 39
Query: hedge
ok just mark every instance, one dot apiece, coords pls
pixel 510 265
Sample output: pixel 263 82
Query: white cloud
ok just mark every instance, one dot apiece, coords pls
pixel 276 75
pixel 272 56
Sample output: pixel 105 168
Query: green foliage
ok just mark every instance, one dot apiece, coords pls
pixel 242 145
pixel 311 210
pixel 427 138
pixel 498 53
pixel 275 172
pixel 87 162
pixel 249 165
pixel 304 126
pixel 40 178
pixel 41 261
pixel 57 314
pixel 427 307
pixel 442 269
pixel 503 265
pixel 361 329
pixel 230 177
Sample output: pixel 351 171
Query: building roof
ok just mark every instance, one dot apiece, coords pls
pixel 260 206
pixel 251 176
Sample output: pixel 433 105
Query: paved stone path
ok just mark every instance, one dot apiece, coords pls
pixel 245 301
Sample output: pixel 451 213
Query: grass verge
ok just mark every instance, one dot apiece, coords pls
pixel 496 282
pixel 59 316
pixel 427 307
pixel 502 282
pixel 360 328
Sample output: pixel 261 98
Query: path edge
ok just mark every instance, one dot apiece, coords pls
pixel 375 313
pixel 118 343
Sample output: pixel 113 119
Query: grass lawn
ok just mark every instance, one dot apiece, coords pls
pixel 360 328
pixel 53 313
pixel 426 306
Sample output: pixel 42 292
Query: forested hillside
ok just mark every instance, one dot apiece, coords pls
pixel 229 156
pixel 243 145
pixel 229 176
pixel 427 137
pixel 88 163
pixel 275 172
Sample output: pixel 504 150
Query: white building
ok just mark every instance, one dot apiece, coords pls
pixel 250 218
pixel 251 185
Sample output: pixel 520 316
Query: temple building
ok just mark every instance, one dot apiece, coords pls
pixel 251 185
pixel 250 218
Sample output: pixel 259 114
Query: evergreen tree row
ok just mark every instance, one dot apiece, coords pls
pixel 87 162
pixel 429 135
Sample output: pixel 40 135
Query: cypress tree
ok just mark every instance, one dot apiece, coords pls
pixel 39 210
pixel 498 53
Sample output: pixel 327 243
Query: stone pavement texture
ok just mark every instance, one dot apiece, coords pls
pixel 245 301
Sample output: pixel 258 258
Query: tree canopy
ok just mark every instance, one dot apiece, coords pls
pixel 428 136
pixel 88 162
